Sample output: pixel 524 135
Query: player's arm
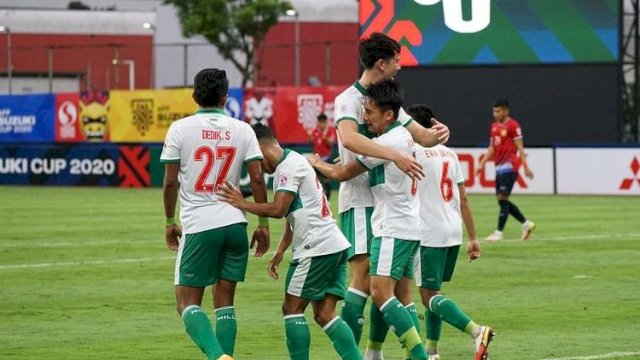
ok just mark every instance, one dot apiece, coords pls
pixel 473 247
pixel 487 156
pixel 360 144
pixel 437 134
pixel 285 242
pixel 261 235
pixel 336 171
pixel 523 158
pixel 170 195
pixel 276 209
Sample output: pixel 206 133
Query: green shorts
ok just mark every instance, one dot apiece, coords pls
pixel 393 257
pixel 207 256
pixel 355 224
pixel 312 278
pixel 435 266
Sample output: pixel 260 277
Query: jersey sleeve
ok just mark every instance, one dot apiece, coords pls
pixel 515 132
pixel 371 162
pixel 404 118
pixel 171 147
pixel 287 180
pixel 457 175
pixel 345 110
pixel 253 149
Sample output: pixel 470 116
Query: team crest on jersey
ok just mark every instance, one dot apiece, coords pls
pixel 283 180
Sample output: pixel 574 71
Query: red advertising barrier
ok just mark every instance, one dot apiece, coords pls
pixel 290 110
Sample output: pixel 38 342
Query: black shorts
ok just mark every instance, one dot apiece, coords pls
pixel 505 182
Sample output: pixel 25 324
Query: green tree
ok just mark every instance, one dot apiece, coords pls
pixel 235 27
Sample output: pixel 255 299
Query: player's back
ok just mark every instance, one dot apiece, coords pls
pixel 439 196
pixel 396 206
pixel 211 148
pixel 315 232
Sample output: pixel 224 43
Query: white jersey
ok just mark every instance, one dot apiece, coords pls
pixel 396 211
pixel 348 105
pixel 211 148
pixel 439 196
pixel 315 232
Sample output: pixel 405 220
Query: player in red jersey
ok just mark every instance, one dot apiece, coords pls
pixel 506 149
pixel 322 139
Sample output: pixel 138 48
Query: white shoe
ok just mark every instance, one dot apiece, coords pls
pixel 495 236
pixel 482 341
pixel 527 228
pixel 373 355
pixel 434 357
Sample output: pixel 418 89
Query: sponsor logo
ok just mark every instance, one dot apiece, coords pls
pixel 142 114
pixel 67 118
pixel 627 183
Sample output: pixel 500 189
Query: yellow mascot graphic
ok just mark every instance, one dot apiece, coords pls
pixel 93 115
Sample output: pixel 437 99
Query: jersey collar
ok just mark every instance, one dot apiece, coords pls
pixel 359 87
pixel 211 111
pixel 391 126
pixel 284 155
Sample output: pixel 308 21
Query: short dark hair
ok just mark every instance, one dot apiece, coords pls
pixel 263 132
pixel 422 114
pixel 387 95
pixel 322 117
pixel 501 103
pixel 377 46
pixel 210 86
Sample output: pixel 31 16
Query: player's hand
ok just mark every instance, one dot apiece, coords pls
pixel 441 131
pixel 262 237
pixel 273 265
pixel 528 173
pixel 480 169
pixel 409 165
pixel 229 194
pixel 172 235
pixel 473 249
pixel 314 160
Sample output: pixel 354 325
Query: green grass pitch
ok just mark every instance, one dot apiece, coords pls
pixel 85 275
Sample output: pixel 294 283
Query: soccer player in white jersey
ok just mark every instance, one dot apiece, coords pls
pixel 395 205
pixel 379 55
pixel 317 273
pixel 443 209
pixel 200 153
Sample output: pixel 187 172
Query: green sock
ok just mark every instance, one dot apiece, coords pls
pixel 352 312
pixel 226 328
pixel 378 328
pixel 411 308
pixel 434 328
pixel 342 339
pixel 199 328
pixel 298 338
pixel 448 311
pixel 398 317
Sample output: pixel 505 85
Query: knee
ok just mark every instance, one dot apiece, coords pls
pixel 322 318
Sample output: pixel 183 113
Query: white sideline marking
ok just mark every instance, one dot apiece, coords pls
pixel 136 242
pixel 87 262
pixel 603 356
pixel 75 243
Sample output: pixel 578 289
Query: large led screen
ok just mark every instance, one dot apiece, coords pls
pixel 487 32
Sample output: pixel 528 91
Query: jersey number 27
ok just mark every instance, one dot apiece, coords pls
pixel 225 154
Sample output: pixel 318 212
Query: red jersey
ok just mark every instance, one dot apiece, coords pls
pixel 505 152
pixel 322 141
